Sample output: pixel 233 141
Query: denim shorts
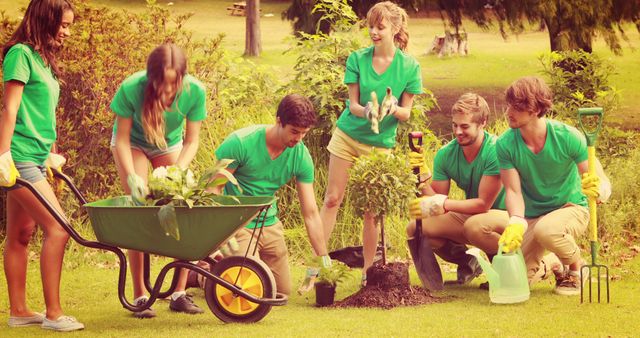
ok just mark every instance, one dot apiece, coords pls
pixel 29 172
pixel 150 152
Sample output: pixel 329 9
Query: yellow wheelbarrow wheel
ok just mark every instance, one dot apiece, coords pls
pixel 249 275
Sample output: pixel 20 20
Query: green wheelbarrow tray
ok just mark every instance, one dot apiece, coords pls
pixel 203 229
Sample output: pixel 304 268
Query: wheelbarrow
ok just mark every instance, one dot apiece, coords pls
pixel 237 289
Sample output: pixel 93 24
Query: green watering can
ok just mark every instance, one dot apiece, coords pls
pixel 507 276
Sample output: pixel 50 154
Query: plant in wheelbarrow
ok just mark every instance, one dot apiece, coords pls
pixel 173 186
pixel 382 184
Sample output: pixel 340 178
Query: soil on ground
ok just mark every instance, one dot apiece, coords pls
pixel 388 287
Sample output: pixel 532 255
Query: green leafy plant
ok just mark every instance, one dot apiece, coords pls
pixel 172 186
pixel 381 183
pixel 337 273
pixel 579 79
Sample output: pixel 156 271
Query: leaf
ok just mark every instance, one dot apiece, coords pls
pixel 169 221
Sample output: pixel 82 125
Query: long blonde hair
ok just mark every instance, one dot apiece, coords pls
pixel 162 58
pixel 398 18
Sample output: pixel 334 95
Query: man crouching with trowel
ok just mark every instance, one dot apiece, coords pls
pixel 470 161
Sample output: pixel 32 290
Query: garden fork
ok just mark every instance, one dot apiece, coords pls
pixel 591 127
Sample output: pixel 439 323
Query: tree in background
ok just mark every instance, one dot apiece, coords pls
pixel 253 39
pixel 572 24
pixel 310 16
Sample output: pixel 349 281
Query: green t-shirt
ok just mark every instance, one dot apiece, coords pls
pixel 549 179
pixel 450 164
pixel 402 75
pixel 35 130
pixel 256 172
pixel 190 104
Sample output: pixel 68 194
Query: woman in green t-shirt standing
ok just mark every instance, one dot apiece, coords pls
pixel 151 107
pixel 372 69
pixel 27 133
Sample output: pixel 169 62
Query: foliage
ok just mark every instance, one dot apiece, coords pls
pixel 579 79
pixel 571 24
pixel 319 16
pixel 318 75
pixel 336 274
pixel 172 186
pixel 381 183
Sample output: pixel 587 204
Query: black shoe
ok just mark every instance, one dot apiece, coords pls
pixel 468 266
pixel 484 286
pixel 185 304
pixel 147 313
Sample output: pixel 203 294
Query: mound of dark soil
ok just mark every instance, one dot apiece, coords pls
pixel 387 287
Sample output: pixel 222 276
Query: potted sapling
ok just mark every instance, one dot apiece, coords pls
pixel 327 281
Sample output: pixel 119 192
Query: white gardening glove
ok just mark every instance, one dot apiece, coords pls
pixel 389 104
pixel 139 190
pixel 8 171
pixel 427 206
pixel 312 273
pixel 54 161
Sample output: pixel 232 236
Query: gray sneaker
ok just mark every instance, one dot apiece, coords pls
pixel 63 324
pixel 185 304
pixel 148 313
pixel 36 319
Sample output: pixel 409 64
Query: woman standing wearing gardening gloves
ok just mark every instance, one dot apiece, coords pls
pixel 151 107
pixel 27 133
pixel 360 128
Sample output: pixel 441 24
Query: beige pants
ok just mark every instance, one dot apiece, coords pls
pixel 272 250
pixel 452 225
pixel 346 148
pixel 555 232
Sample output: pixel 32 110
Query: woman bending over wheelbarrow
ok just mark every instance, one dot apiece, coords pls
pixel 151 106
pixel 365 125
pixel 27 133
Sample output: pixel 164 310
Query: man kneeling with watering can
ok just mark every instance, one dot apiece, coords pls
pixel 470 161
pixel 541 161
pixel 266 157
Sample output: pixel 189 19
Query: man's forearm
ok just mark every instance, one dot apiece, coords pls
pixel 316 234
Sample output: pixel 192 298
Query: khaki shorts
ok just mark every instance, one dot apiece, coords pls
pixel 346 148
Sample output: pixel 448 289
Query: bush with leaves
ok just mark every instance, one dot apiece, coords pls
pixel 579 79
pixel 381 184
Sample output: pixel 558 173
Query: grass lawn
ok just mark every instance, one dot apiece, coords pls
pixel 89 293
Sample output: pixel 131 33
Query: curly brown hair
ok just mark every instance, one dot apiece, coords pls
pixel 296 110
pixel 530 94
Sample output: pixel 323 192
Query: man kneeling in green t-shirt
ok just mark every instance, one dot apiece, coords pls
pixel 470 161
pixel 266 157
pixel 541 161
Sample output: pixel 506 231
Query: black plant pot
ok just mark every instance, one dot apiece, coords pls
pixel 325 294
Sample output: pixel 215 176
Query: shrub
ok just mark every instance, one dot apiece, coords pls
pixel 383 182
pixel 579 79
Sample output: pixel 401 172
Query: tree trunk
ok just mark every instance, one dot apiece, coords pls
pixel 253 43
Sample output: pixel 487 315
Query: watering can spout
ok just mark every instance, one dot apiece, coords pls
pixel 492 275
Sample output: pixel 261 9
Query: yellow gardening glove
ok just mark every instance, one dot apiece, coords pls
pixel 417 160
pixel 427 206
pixel 8 171
pixel 511 238
pixel 591 185
pixel 54 161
